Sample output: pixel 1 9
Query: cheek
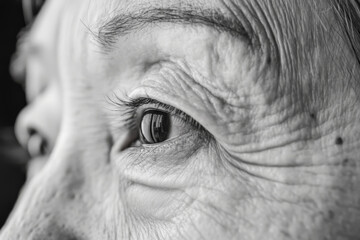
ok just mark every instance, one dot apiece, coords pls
pixel 159 204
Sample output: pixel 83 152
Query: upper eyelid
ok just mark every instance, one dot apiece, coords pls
pixel 129 108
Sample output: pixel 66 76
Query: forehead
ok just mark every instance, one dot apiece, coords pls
pixel 93 11
pixel 283 29
pixel 272 22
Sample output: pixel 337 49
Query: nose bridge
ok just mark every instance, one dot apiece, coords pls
pixel 44 33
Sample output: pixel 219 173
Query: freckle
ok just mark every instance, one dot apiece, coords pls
pixel 72 196
pixel 349 163
pixel 331 214
pixel 268 60
pixel 313 116
pixel 109 140
pixel 286 233
pixel 339 141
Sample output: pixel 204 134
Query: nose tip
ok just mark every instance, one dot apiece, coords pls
pixel 38 124
pixel 31 135
pixel 37 145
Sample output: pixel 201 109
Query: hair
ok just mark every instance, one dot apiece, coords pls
pixel 347 13
pixel 320 63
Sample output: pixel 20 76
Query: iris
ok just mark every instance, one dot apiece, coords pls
pixel 154 126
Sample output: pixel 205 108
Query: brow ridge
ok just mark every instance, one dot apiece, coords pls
pixel 126 23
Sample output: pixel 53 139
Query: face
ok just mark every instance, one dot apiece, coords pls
pixel 188 120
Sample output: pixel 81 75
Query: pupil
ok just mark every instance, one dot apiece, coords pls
pixel 154 127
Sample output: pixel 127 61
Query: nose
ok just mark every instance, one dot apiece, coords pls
pixel 37 144
pixel 32 134
pixel 37 126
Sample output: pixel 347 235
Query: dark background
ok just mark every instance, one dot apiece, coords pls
pixel 12 99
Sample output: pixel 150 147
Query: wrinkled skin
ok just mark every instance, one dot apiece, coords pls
pixel 272 167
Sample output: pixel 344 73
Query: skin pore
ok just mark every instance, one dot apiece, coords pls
pixel 263 141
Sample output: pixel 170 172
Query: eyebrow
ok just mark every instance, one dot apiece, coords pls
pixel 126 23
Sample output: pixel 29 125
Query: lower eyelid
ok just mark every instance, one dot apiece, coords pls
pixel 171 144
pixel 167 155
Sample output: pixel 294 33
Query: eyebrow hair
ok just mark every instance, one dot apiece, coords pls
pixel 125 23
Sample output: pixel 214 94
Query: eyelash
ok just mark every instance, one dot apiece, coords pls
pixel 129 109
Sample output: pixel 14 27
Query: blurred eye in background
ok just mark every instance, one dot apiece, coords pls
pixel 31 9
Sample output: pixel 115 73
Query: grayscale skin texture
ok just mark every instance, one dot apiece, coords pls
pixel 272 167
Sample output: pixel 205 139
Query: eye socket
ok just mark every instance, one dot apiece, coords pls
pixel 152 122
pixel 155 126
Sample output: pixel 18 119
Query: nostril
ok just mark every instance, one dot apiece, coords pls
pixel 37 145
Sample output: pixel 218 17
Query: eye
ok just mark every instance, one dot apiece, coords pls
pixel 152 122
pixel 31 8
pixel 155 126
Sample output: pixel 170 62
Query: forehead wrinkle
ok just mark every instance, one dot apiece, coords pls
pixel 132 21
